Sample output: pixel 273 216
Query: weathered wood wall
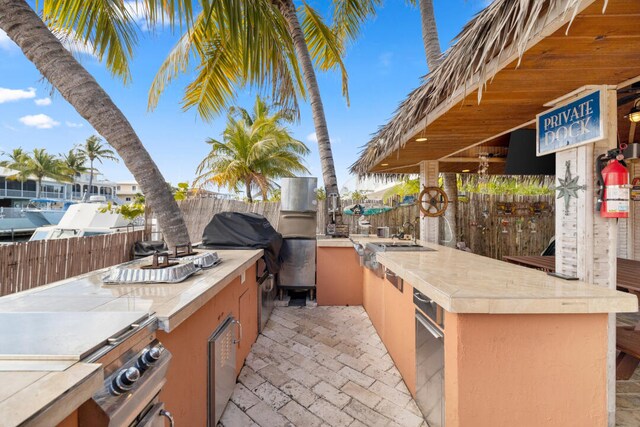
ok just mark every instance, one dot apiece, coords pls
pixel 198 212
pixel 392 219
pixel 479 222
pixel 28 265
pixel 491 232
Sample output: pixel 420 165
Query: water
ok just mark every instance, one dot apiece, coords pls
pixel 6 240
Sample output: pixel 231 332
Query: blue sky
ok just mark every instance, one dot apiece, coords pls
pixel 384 64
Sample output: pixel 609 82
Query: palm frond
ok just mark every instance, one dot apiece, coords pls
pixel 350 15
pixel 107 26
pixel 235 44
pixel 325 46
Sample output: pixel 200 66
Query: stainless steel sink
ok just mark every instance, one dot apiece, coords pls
pixel 398 246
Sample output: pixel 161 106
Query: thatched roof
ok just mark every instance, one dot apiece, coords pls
pixel 498 32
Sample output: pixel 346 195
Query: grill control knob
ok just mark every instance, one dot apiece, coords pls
pixel 148 358
pixel 124 380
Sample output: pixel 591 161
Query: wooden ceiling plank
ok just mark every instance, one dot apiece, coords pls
pixel 614 7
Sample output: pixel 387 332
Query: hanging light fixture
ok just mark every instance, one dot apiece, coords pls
pixel 421 137
pixel 634 114
pixel 483 167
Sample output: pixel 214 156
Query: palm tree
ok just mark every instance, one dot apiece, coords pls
pixel 114 42
pixel 40 164
pixel 349 16
pixel 256 149
pixel 17 158
pixel 94 150
pixel 73 164
pixel 308 39
pixel 239 42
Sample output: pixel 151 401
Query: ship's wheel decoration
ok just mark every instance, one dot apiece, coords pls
pixel 568 187
pixel 433 201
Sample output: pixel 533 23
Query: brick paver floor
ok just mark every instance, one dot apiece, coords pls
pixel 326 366
pixel 321 366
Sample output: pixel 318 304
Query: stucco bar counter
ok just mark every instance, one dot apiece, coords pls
pixel 521 348
pixel 48 393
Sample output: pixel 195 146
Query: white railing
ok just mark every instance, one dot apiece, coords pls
pixel 11 213
pixel 56 195
pixel 78 196
pixel 17 193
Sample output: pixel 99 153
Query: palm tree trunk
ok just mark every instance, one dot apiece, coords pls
pixel 247 186
pixel 87 195
pixel 430 34
pixel 288 10
pixel 81 90
pixel 450 184
pixel 38 187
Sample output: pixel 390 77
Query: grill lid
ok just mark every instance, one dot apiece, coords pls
pixel 239 230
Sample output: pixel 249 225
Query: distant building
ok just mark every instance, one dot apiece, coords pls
pixel 17 194
pixel 127 190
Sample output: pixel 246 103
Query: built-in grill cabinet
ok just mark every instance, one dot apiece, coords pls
pixel 135 367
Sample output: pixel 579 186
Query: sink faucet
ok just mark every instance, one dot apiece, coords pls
pixel 412 228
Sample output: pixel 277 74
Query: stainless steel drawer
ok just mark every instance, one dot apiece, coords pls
pixel 430 371
pixel 429 308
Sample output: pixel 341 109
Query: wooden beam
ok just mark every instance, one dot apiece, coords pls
pixel 472 159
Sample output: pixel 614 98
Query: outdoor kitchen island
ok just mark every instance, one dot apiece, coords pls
pixel 520 347
pixel 41 383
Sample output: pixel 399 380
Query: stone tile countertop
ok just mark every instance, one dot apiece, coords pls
pixel 49 390
pixel 462 282
pixel 171 303
pixel 46 392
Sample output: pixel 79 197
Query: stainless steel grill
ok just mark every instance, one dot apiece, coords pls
pixel 131 272
pixel 134 375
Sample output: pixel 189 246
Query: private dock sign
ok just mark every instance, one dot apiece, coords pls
pixel 575 123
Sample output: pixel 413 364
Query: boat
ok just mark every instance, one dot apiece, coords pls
pixel 23 208
pixel 22 221
pixel 46 211
pixel 82 220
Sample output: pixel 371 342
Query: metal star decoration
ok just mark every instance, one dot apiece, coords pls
pixel 568 187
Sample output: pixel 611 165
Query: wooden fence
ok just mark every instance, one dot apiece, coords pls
pixel 28 265
pixel 392 219
pixel 198 212
pixel 496 226
pixel 490 225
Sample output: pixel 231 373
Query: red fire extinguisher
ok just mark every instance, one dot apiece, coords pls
pixel 613 199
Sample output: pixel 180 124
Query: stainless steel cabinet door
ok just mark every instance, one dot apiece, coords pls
pixel 267 296
pixel 222 369
pixel 430 371
pixel 298 268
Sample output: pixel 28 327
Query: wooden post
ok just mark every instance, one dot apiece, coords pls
pixel 633 223
pixel 429 227
pixel 586 243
